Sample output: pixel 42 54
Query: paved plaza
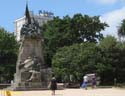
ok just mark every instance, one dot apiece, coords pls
pixel 72 92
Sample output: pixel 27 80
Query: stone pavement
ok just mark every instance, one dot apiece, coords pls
pixel 72 92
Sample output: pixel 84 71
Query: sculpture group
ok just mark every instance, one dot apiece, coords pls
pixel 31 71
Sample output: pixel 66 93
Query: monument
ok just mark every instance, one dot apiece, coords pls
pixel 31 71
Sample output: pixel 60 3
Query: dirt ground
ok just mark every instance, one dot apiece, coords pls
pixel 71 92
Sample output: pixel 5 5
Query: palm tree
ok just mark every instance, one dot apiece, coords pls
pixel 121 29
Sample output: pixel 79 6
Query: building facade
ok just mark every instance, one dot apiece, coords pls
pixel 42 17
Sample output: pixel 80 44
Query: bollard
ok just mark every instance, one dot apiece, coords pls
pixel 8 93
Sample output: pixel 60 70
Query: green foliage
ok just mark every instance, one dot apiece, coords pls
pixel 121 64
pixel 121 29
pixel 66 31
pixel 111 59
pixel 75 60
pixel 8 55
pixel 106 59
pixel 89 27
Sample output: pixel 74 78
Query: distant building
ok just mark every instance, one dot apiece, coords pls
pixel 41 18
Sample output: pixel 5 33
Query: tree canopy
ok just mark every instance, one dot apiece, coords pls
pixel 8 55
pixel 66 31
pixel 121 29
pixel 105 59
pixel 75 60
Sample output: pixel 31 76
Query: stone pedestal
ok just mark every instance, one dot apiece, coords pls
pixel 41 80
pixel 31 72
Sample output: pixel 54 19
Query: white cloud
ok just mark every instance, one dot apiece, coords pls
pixel 106 1
pixel 113 19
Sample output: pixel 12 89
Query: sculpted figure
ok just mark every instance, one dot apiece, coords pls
pixel 31 65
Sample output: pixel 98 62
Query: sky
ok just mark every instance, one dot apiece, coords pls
pixel 110 11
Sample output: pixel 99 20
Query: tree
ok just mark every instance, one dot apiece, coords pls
pixel 75 60
pixel 106 59
pixel 120 68
pixel 121 29
pixel 8 55
pixel 110 59
pixel 80 28
pixel 88 27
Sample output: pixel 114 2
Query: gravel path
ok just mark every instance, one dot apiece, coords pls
pixel 71 92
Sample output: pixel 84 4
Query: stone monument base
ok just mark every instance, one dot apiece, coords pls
pixel 40 83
